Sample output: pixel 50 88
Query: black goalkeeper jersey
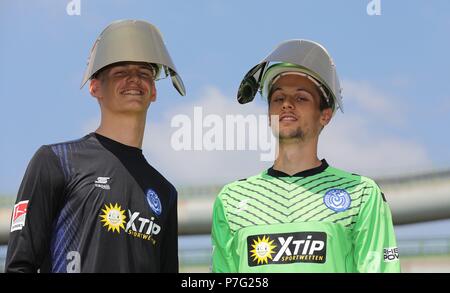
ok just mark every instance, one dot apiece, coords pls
pixel 93 205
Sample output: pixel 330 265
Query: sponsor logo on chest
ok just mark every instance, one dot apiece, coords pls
pixel 286 248
pixel 114 219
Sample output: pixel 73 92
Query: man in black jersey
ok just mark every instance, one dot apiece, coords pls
pixel 95 204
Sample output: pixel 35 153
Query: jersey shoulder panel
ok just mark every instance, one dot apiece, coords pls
pixel 45 154
pixel 343 174
pixel 230 187
pixel 60 147
pixel 65 152
pixel 367 182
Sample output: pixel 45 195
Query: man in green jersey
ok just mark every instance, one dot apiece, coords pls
pixel 301 215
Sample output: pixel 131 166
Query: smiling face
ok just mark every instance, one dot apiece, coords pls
pixel 296 101
pixel 125 88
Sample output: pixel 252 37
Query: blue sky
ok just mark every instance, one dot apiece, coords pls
pixel 394 69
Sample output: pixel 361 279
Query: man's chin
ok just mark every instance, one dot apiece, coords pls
pixel 292 134
pixel 134 108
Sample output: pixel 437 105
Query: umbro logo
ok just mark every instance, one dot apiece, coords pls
pixel 102 182
pixel 242 206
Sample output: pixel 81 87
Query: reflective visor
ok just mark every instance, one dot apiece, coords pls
pixel 310 57
pixel 135 41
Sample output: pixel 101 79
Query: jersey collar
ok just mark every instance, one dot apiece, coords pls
pixel 275 173
pixel 115 146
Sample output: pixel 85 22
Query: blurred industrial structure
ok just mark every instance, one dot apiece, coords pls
pixel 413 199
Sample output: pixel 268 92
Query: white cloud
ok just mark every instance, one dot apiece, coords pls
pixel 202 167
pixel 348 143
pixel 374 101
pixel 355 140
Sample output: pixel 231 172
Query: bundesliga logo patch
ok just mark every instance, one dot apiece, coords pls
pixel 19 214
pixel 300 247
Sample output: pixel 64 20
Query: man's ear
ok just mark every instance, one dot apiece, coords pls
pixel 325 116
pixel 153 92
pixel 95 88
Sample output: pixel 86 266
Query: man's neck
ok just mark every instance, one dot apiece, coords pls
pixel 128 130
pixel 294 157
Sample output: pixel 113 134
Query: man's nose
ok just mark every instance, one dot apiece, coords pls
pixel 133 76
pixel 287 104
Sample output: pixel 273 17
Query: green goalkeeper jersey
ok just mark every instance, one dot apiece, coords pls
pixel 319 220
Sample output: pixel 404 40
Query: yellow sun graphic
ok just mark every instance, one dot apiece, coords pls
pixel 113 217
pixel 262 250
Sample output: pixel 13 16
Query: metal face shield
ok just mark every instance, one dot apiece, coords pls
pixel 309 56
pixel 136 41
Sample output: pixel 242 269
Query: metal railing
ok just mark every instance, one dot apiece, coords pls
pixel 412 199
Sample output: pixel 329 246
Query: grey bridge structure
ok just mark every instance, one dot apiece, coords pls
pixel 412 198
